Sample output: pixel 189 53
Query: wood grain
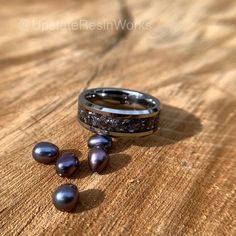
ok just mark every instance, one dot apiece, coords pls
pixel 181 182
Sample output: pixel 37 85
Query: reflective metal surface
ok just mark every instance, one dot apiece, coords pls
pixel 118 112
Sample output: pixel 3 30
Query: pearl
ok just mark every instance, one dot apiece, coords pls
pixel 98 159
pixel 101 140
pixel 67 164
pixel 65 197
pixel 45 152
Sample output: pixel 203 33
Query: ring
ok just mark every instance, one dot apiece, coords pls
pixel 118 112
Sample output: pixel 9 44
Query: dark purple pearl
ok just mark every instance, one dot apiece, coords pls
pixel 98 159
pixel 45 152
pixel 65 197
pixel 67 164
pixel 101 140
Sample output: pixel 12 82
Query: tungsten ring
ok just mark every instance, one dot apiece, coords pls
pixel 118 112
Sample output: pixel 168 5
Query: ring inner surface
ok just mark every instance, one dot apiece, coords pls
pixel 121 100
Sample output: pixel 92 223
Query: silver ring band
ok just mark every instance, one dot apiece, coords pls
pixel 118 112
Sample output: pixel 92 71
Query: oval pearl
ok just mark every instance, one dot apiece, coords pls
pixel 45 152
pixel 98 159
pixel 67 164
pixel 65 197
pixel 100 140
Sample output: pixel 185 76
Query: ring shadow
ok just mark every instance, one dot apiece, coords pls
pixel 175 125
pixel 89 199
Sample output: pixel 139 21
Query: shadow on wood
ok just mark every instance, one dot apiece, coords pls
pixel 90 199
pixel 117 162
pixel 176 124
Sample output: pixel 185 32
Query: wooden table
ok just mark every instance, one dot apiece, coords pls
pixel 181 182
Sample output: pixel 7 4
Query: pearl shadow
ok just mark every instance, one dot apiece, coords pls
pixel 117 161
pixel 175 125
pixel 89 199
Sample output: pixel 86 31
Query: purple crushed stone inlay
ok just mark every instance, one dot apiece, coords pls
pixel 111 124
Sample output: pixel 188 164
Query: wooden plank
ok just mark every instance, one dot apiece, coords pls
pixel 181 182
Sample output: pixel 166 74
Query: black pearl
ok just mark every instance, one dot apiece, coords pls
pixel 101 140
pixel 98 159
pixel 65 197
pixel 45 152
pixel 67 164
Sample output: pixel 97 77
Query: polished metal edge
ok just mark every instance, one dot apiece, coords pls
pixel 149 112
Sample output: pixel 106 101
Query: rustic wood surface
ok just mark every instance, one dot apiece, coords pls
pixel 181 182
